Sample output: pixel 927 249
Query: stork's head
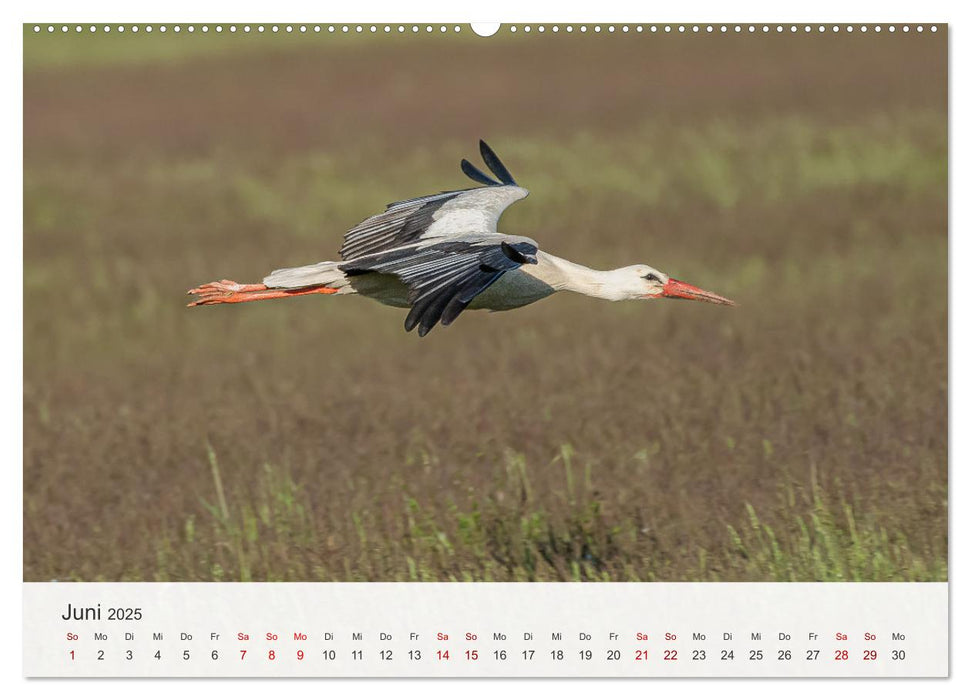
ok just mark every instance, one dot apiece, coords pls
pixel 644 282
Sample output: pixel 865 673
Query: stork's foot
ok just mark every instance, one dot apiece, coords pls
pixel 226 292
pixel 229 292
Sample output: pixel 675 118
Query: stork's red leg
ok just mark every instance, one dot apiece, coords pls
pixel 229 292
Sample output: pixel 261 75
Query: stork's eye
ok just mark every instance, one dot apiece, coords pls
pixel 651 277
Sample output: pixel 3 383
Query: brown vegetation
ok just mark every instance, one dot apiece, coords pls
pixel 802 435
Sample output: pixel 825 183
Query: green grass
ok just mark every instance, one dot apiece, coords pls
pixel 510 537
pixel 827 543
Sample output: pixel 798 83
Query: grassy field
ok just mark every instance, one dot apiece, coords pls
pixel 799 436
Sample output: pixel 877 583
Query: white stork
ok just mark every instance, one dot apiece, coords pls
pixel 443 253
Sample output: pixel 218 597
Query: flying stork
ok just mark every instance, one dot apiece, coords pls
pixel 442 253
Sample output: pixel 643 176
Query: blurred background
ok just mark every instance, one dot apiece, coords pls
pixel 799 436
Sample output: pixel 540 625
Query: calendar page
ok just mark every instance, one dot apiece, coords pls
pixel 519 350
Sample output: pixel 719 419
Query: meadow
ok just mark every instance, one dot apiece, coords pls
pixel 802 435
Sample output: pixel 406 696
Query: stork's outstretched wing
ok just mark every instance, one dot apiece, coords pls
pixel 444 276
pixel 438 216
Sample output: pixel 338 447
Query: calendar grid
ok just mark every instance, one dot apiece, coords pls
pixel 488 629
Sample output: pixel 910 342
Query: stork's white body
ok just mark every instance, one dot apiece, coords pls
pixel 520 287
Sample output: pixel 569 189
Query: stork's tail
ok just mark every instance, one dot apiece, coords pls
pixel 320 278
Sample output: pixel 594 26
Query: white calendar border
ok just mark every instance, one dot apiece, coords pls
pixel 509 11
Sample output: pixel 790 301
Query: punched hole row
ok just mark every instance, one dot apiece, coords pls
pixel 443 29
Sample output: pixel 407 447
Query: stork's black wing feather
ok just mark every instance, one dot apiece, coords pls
pixel 476 174
pixel 445 215
pixel 495 165
pixel 444 277
pixel 448 214
pixel 402 223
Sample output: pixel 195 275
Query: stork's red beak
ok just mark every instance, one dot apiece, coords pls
pixel 676 289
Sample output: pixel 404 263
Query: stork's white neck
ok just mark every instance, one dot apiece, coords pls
pixel 562 274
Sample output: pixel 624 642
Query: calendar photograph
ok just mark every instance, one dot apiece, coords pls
pixel 575 304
